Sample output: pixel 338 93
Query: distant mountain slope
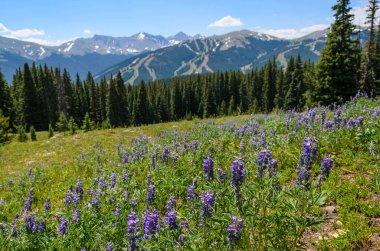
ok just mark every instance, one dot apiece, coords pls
pixel 241 50
pixel 83 54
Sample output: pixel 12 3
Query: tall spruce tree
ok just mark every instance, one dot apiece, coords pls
pixel 337 66
pixel 368 71
pixel 30 109
pixel 5 97
pixel 123 100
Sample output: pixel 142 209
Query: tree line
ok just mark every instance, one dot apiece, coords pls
pixel 40 96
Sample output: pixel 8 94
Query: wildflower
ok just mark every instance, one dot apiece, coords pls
pixel 263 162
pixel 133 202
pixel 133 229
pixel 185 224
pixel 113 179
pixel 109 246
pixel 242 146
pixel 191 190
pixel 171 219
pixel 125 176
pixel 151 193
pixel 28 202
pixel 175 157
pixel 222 173
pixel 117 210
pixel 10 182
pixel 150 222
pixel 47 205
pixel 372 150
pixel 234 230
pixel 306 161
pixel 237 173
pixel 208 168
pixel 76 216
pixel 171 202
pixel 326 167
pixel 359 120
pixel 30 224
pixel 62 228
pixel 165 155
pixel 208 200
pixel 124 158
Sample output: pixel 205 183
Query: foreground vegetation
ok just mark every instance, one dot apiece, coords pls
pixel 263 182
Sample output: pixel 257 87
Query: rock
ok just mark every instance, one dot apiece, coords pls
pixel 330 210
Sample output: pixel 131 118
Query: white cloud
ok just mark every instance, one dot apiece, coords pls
pixel 226 22
pixel 44 41
pixel 294 33
pixel 20 33
pixel 360 14
pixel 87 31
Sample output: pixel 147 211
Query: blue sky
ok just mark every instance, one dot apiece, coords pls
pixel 53 21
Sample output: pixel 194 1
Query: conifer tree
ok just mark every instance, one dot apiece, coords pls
pixel 29 113
pixel 113 107
pixel 337 66
pixel 368 74
pixel 21 134
pixel 62 124
pixel 51 131
pixel 87 123
pixel 103 89
pixel 5 97
pixel 33 135
pixel 4 127
pixel 72 126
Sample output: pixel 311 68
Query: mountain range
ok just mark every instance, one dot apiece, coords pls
pixel 148 57
pixel 83 54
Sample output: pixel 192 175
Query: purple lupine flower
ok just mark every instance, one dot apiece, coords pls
pixel 113 179
pixel 208 200
pixel 109 246
pixel 150 223
pixel 133 202
pixel 47 205
pixel 10 182
pixel 124 158
pixel 298 124
pixel 337 117
pixel 238 173
pixel 242 146
pixel 351 123
pixel 309 152
pixel 76 216
pixel 375 114
pixel 3 228
pixel 303 176
pixel 151 193
pixel 125 176
pixel 41 226
pixel 326 167
pixel 171 202
pixel 263 138
pixel 255 127
pixel 30 224
pixel 28 202
pixel 171 219
pixel 287 121
pixel 117 210
pixel 323 117
pixel 359 120
pixel 222 174
pixel 208 168
pixel 191 190
pixel 29 172
pixel 175 157
pixel 185 224
pixel 79 189
pixel 165 155
pixel 133 230
pixel 234 230
pixel 263 162
pixel 329 125
pixel 62 228
pixel 95 202
pixel 372 149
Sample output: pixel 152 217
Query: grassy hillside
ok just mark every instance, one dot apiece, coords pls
pixel 243 166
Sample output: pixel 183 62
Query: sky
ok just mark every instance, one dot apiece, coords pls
pixel 52 22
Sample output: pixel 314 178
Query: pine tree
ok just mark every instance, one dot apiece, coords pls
pixel 33 135
pixel 21 134
pixel 368 74
pixel 377 63
pixel 5 97
pixel 279 99
pixel 4 127
pixel 142 105
pixel 122 99
pixel 62 124
pixel 51 131
pixel 269 86
pixel 337 66
pixel 94 108
pixel 103 89
pixel 29 99
pixel 113 106
pixel 72 126
pixel 87 123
